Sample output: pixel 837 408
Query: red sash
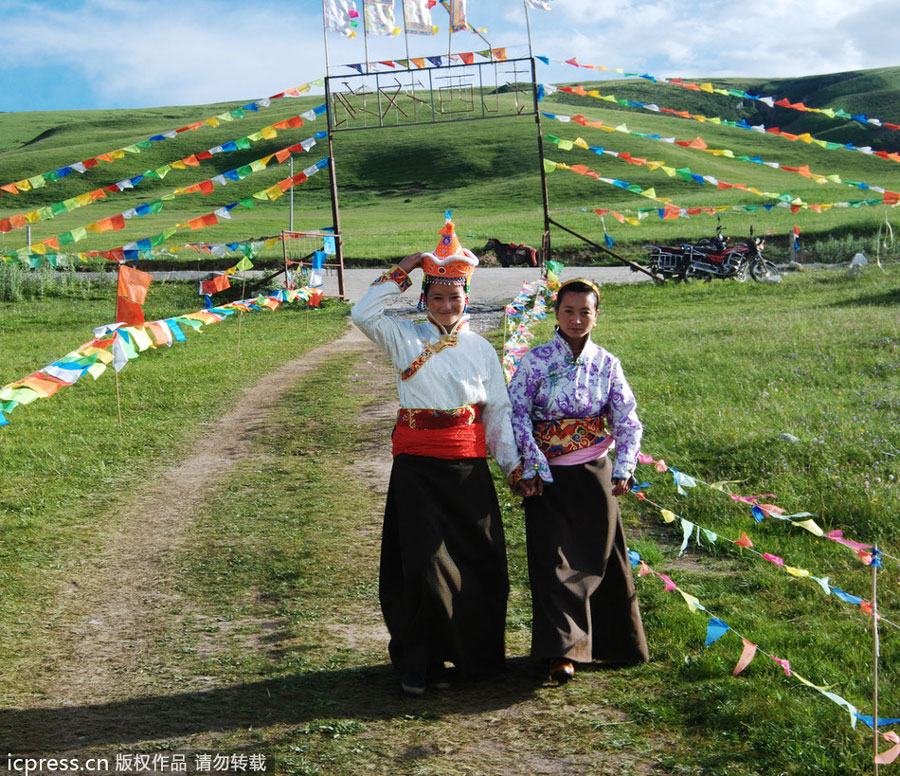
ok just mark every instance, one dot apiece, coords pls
pixel 456 433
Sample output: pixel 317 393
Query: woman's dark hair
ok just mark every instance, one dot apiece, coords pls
pixel 428 286
pixel 577 287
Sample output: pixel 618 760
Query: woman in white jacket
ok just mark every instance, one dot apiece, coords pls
pixel 443 578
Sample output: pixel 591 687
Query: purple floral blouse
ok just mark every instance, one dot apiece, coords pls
pixel 551 384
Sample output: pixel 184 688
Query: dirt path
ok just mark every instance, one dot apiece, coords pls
pixel 103 634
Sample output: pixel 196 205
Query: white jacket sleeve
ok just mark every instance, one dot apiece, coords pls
pixel 497 417
pixel 368 312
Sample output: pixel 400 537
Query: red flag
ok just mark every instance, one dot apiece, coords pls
pixel 133 284
pixel 315 298
pixel 129 313
pixel 218 283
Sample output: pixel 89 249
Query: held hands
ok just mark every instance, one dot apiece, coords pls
pixel 529 488
pixel 620 487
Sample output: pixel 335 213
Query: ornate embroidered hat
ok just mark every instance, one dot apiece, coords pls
pixel 450 264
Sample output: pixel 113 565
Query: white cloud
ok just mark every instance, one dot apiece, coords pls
pixel 154 53
pixel 116 53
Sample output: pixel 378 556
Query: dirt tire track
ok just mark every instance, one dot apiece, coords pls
pixel 103 634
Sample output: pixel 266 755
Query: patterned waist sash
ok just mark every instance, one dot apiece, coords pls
pixel 455 433
pixel 558 437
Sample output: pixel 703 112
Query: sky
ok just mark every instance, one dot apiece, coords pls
pixel 107 54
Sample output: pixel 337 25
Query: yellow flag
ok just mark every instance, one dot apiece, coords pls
pixel 693 603
pixel 668 516
pixel 811 526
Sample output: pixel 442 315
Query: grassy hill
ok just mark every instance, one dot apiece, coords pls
pixel 395 184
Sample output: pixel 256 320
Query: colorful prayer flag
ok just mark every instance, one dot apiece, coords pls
pixel 341 17
pixel 133 284
pixel 417 17
pixel 457 15
pixel 380 17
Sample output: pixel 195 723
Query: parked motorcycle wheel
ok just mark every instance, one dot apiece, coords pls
pixel 691 275
pixel 764 271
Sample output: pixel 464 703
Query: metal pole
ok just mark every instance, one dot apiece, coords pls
pixel 365 37
pixel 607 251
pixel 545 238
pixel 335 209
pixel 528 27
pixel 325 35
pixel 291 219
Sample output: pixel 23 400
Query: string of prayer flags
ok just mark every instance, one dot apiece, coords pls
pixel 542 292
pixel 40 180
pixel 342 17
pixel 117 221
pixel 760 511
pixel 716 628
pixel 888 197
pixel 209 219
pixel 116 344
pixel 805 137
pixel 833 113
pixel 688 528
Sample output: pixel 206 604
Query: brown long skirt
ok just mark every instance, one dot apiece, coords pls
pixel 443 581
pixel 584 603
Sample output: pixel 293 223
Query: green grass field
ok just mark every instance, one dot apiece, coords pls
pixel 395 184
pixel 274 596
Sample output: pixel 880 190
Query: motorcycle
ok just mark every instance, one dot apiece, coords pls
pixel 713 258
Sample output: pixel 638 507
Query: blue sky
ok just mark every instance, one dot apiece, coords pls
pixel 86 54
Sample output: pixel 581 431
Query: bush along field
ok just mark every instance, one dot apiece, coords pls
pixel 263 634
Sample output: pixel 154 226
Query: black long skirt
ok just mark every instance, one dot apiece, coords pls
pixel 443 581
pixel 584 603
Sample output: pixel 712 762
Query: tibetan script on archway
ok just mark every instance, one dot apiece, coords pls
pixel 431 95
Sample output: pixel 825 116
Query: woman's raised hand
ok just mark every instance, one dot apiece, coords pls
pixel 409 263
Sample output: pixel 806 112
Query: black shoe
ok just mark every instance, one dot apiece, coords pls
pixel 440 677
pixel 413 683
pixel 561 670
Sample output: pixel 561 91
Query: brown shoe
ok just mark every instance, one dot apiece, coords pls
pixel 561 670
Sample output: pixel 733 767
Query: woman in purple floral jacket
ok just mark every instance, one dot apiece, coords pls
pixel 571 404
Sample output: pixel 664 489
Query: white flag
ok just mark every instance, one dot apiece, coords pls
pixel 418 17
pixel 541 5
pixel 380 17
pixel 341 17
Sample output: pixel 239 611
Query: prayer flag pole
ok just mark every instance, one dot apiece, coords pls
pixel 876 651
pixel 241 313
pixel 325 35
pixel 528 27
pixel 365 36
pixel 118 397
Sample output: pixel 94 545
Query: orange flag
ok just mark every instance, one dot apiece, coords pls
pixel 218 283
pixel 133 284
pixel 129 313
